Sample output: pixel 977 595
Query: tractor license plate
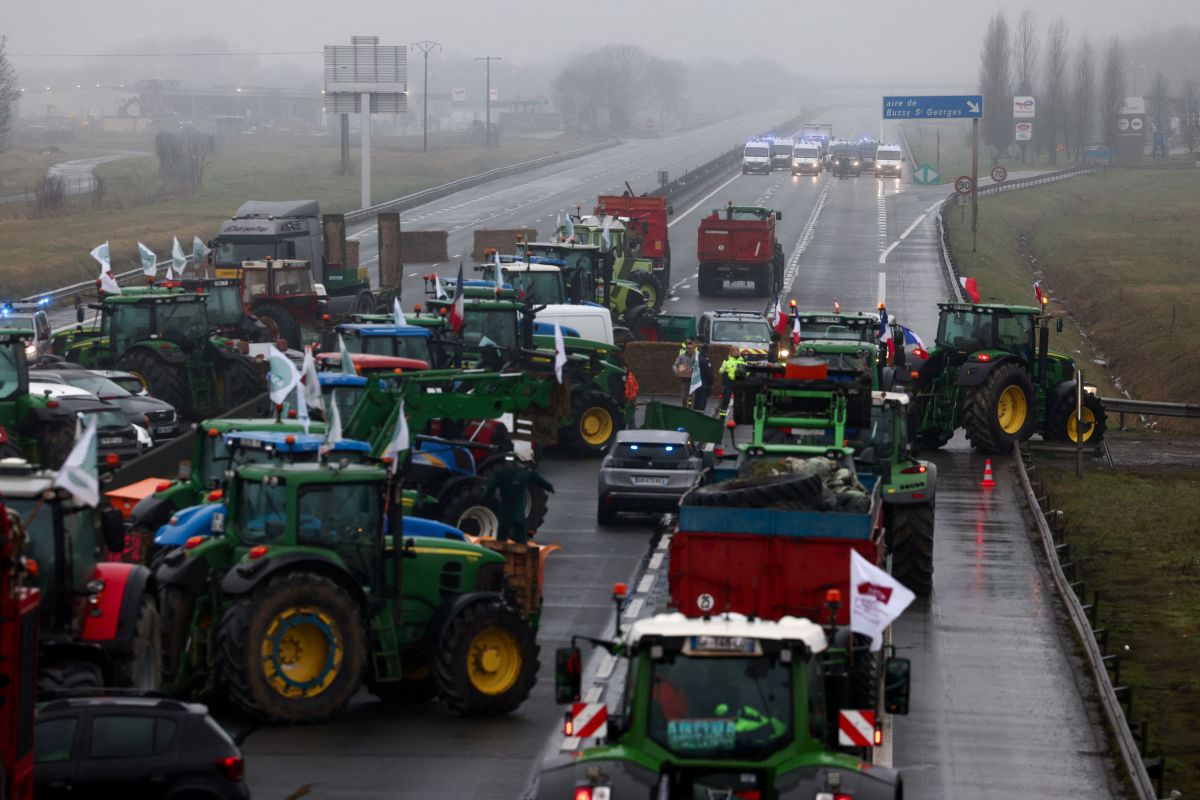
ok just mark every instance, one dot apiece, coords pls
pixel 162 429
pixel 111 440
pixel 649 481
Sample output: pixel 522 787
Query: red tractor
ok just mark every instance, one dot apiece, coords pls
pixel 283 295
pixel 18 660
pixel 738 244
pixel 648 225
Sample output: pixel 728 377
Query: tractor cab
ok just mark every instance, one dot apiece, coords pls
pixel 31 425
pixel 396 341
pixel 537 279
pixel 225 311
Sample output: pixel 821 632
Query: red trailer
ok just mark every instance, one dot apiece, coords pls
pixel 738 244
pixel 18 663
pixel 649 215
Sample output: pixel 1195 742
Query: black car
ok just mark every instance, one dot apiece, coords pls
pixel 156 416
pixel 117 439
pixel 133 747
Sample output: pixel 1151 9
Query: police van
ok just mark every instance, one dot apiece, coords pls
pixel 757 157
pixel 889 161
pixel 806 158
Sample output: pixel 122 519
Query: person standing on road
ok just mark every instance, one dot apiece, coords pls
pixel 683 370
pixel 510 481
pixel 728 371
pixel 700 399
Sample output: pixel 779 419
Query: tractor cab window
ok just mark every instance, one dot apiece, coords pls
pixel 539 287
pixel 341 516
pixel 816 699
pixel 214 458
pixel 347 398
pixel 721 706
pixel 130 324
pixel 1015 333
pixel 490 328
pixel 965 331
pixel 263 512
pixel 182 322
pixel 254 284
pixel 398 346
pixel 293 281
pixel 224 305
pixel 10 370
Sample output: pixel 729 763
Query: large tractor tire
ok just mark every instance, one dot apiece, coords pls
pixel 1001 410
pixel 1062 425
pixel 911 536
pixel 595 421
pixel 280 324
pixel 167 382
pixel 537 500
pixel 641 321
pixel 486 661
pixel 461 505
pixel 293 650
pixel 780 265
pixel 650 286
pixel 241 382
pixel 176 611
pixel 764 280
pixel 69 676
pixel 364 303
pixel 142 668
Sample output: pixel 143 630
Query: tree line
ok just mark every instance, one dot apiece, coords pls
pixel 615 85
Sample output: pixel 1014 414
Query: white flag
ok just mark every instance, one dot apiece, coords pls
pixel 199 251
pixel 697 379
pixel 178 261
pixel 438 291
pixel 149 261
pixel 80 474
pixel 606 237
pixel 283 377
pixel 347 361
pixel 399 443
pixel 312 383
pixel 333 426
pixel 100 253
pixel 499 271
pixel 398 314
pixel 570 229
pixel 560 353
pixel 558 226
pixel 876 599
pixel 302 405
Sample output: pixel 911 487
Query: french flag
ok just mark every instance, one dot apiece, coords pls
pixel 1041 296
pixel 796 331
pixel 457 308
pixel 780 321
pixel 970 287
pixel 911 339
pixel 885 333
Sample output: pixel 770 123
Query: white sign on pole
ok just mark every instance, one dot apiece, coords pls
pixel 493 95
pixel 1024 131
pixel 458 97
pixel 1023 107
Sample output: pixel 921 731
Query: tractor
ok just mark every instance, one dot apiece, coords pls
pixel 283 295
pixel 992 373
pixel 19 601
pixel 99 619
pixel 163 336
pixel 622 251
pixel 31 426
pixel 304 594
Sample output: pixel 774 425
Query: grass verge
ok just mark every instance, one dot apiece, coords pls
pixel 1137 539
pixel 40 253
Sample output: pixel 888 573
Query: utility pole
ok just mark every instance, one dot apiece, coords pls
pixel 425 46
pixel 487 99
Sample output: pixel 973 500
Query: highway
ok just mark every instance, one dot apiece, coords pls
pixel 996 709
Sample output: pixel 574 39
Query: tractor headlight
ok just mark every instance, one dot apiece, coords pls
pixel 784 352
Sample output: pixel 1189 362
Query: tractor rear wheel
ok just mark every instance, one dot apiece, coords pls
pixel 706 284
pixel 364 303
pixel 165 381
pixel 142 668
pixel 241 382
pixel 911 536
pixel 293 650
pixel 1063 427
pixel 69 676
pixel 177 609
pixel 595 421
pixel 1001 410
pixel 641 321
pixel 650 286
pixel 280 324
pixel 487 660
pixel 461 505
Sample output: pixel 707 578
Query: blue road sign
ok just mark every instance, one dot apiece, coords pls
pixel 938 106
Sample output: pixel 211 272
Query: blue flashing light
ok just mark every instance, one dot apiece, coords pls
pixel 45 301
pixel 633 447
pixel 669 448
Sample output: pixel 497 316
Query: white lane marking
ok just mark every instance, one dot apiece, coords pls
pixel 882 288
pixel 883 256
pixel 607 664
pixel 702 201
pixel 664 542
pixel 883 753
pixel 934 207
pixel 646 584
pixel 634 608
pixel 920 218
pixel 805 238
pixel 656 561
pixel 910 228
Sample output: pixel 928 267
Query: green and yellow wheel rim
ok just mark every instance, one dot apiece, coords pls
pixel 649 293
pixel 1012 410
pixel 596 426
pixel 1089 419
pixel 301 652
pixel 493 661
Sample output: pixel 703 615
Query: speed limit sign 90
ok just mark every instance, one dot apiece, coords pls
pixel 963 184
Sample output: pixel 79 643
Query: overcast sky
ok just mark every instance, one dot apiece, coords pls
pixel 864 40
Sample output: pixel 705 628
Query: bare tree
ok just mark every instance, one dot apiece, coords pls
pixel 9 95
pixel 1112 90
pixel 617 79
pixel 1191 115
pixel 995 84
pixel 1160 104
pixel 1083 97
pixel 1054 110
pixel 1025 56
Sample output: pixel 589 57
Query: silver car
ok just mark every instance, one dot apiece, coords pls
pixel 647 471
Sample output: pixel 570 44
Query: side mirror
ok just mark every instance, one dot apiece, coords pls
pixel 568 674
pixel 1058 325
pixel 112 530
pixel 79 314
pixel 779 215
pixel 185 470
pixel 897 675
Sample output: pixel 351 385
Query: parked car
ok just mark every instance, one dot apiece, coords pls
pixel 647 471
pixel 115 435
pixel 30 317
pixel 126 380
pixel 133 747
pixel 156 416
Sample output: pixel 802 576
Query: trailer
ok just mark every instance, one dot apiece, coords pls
pixel 738 244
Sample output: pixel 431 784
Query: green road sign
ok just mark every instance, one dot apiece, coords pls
pixel 926 175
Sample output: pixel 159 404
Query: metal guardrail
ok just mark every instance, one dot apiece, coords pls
pixel 1143 786
pixel 1034 180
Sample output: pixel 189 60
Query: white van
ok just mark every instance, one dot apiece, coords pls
pixel 806 159
pixel 590 322
pixel 757 157
pixel 889 161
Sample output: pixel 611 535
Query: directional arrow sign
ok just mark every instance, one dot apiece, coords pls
pixel 938 106
pixel 926 175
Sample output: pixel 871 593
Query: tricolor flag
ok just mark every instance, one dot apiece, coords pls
pixel 399 443
pixel 911 337
pixel 560 353
pixel 876 599
pixel 796 331
pixel 780 321
pixel 885 333
pixel 458 307
pixel 970 287
pixel 80 473
pixel 149 261
pixel 1039 294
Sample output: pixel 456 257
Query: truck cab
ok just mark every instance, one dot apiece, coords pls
pixel 285 230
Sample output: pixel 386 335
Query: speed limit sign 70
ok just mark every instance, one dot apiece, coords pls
pixel 999 174
pixel 963 184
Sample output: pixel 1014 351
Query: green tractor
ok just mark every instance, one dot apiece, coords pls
pixel 304 594
pixel 625 266
pixel 163 336
pixel 31 426
pixel 992 373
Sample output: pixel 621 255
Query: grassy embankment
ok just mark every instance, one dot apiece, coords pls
pixel 1118 254
pixel 40 252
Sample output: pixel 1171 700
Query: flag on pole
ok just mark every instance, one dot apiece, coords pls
pixel 458 307
pixel 885 333
pixel 302 404
pixel 970 287
pixel 100 253
pixel 499 271
pixel 311 396
pixel 199 251
pixel 796 331
pixel 283 377
pixel 570 229
pixel 149 261
pixel 558 226
pixel 876 599
pixel 780 321
pixel 438 291
pixel 911 337
pixel 398 314
pixel 1037 291
pixel 347 361
pixel 178 260
pixel 80 474
pixel 560 353
pixel 333 427
pixel 697 380
pixel 605 236
pixel 399 443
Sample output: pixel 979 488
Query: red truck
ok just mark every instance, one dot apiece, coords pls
pixel 649 215
pixel 738 243
pixel 19 600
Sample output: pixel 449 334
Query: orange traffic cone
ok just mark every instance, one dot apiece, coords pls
pixel 988 481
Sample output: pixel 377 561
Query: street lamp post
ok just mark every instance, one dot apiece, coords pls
pixel 487 99
pixel 1136 67
pixel 425 46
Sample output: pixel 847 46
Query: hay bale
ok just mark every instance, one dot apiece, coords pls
pixel 502 239
pixel 652 362
pixel 423 247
